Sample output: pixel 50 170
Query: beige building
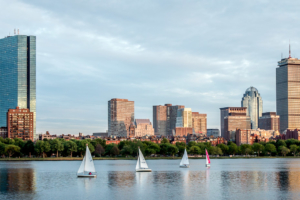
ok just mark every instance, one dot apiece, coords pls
pixel 120 117
pixel 184 118
pixel 143 127
pixel 199 122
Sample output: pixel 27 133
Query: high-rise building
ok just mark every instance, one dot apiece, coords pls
pixel 254 104
pixel 232 123
pixel 199 122
pixel 184 118
pixel 213 132
pixel 18 75
pixel 269 121
pixel 230 111
pixel 164 119
pixel 288 93
pixel 143 127
pixel 120 117
pixel 20 124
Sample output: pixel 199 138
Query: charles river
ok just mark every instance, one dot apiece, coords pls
pixel 268 178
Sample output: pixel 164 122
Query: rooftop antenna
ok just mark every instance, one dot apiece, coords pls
pixel 18 32
pixel 289 49
pixel 14 31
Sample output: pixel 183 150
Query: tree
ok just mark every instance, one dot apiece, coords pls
pixel 284 150
pixel 41 147
pixel 195 150
pixel 172 149
pixel 10 149
pixel 71 147
pixel 244 147
pixel 270 148
pixel 280 143
pixel 165 140
pixel 164 148
pixel 294 148
pixel 233 149
pixel 257 148
pixel 57 146
pixel 114 151
pixel 2 149
pixel 9 141
pixel 108 148
pixel 192 143
pixel 29 148
pixel 152 149
pixel 99 150
pixel 223 147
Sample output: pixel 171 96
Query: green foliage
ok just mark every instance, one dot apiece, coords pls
pixel 294 148
pixel 172 149
pixel 10 149
pixel 152 149
pixel 224 148
pixel 233 149
pixel 70 147
pixel 270 148
pixel 56 146
pixel 2 148
pixel 246 149
pixel 99 150
pixel 41 147
pixel 165 140
pixel 114 150
pixel 191 143
pixel 284 150
pixel 258 148
pixel 9 141
pixel 195 150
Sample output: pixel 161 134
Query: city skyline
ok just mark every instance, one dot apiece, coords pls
pixel 188 55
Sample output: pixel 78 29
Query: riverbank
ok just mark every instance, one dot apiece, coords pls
pixel 133 158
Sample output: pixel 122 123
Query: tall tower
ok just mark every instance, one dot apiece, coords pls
pixel 288 92
pixel 18 76
pixel 254 104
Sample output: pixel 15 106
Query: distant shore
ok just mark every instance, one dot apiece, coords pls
pixel 133 158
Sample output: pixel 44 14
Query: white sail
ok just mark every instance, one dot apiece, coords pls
pixel 138 163
pixel 185 159
pixel 81 168
pixel 206 161
pixel 89 164
pixel 143 164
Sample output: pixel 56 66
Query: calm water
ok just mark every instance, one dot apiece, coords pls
pixel 117 179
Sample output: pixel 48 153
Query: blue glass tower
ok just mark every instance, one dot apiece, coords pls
pixel 17 75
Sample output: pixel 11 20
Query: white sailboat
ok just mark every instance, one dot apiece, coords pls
pixel 87 168
pixel 184 161
pixel 141 165
pixel 207 164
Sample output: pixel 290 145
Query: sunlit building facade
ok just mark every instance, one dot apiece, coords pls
pixel 17 75
pixel 184 118
pixel 199 122
pixel 254 104
pixel 288 93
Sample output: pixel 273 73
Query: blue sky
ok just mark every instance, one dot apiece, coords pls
pixel 201 54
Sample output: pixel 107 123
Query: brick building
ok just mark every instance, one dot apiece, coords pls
pixel 269 121
pixel 20 124
pixel 292 134
pixel 120 117
pixel 183 131
pixel 47 136
pixel 199 122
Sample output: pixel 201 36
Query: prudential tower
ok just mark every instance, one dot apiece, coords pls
pixel 253 101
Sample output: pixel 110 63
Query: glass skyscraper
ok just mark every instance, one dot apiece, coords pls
pixel 17 75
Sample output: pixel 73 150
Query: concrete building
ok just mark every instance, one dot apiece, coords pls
pixel 230 111
pixel 254 104
pixel 269 121
pixel 120 117
pixel 199 122
pixel 18 75
pixel 184 118
pixel 20 124
pixel 288 93
pixel 101 134
pixel 164 119
pixel 143 127
pixel 213 132
pixel 3 132
pixel 232 123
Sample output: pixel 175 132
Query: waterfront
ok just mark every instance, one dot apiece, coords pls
pixel 117 179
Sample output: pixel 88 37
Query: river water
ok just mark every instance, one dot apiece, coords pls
pixel 117 179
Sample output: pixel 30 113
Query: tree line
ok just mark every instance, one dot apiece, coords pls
pixel 76 148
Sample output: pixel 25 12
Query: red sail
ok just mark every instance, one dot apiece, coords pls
pixel 207 157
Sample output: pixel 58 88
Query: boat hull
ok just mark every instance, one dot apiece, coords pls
pixel 87 175
pixel 143 170
pixel 207 165
pixel 184 166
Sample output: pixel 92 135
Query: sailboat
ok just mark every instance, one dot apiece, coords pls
pixel 207 159
pixel 141 165
pixel 87 168
pixel 184 161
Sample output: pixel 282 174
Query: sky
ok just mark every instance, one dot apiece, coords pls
pixel 201 54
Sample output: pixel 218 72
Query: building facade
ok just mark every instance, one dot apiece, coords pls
pixel 234 122
pixel 20 124
pixel 120 117
pixel 292 134
pixel 213 132
pixel 269 121
pixel 199 122
pixel 18 75
pixel 3 132
pixel 183 131
pixel 184 118
pixel 288 93
pixel 230 111
pixel 254 104
pixel 143 127
pixel 164 119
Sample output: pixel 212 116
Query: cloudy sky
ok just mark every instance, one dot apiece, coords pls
pixel 201 54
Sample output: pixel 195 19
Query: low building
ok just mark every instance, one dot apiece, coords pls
pixel 250 136
pixel 3 132
pixel 213 132
pixel 47 136
pixel 101 134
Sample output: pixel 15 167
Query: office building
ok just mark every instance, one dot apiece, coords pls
pixel 18 75
pixel 254 104
pixel 199 123
pixel 143 127
pixel 213 132
pixel 184 118
pixel 269 121
pixel 20 124
pixel 288 93
pixel 120 117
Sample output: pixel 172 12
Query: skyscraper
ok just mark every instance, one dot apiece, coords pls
pixel 199 122
pixel 184 118
pixel 17 76
pixel 288 93
pixel 253 102
pixel 120 117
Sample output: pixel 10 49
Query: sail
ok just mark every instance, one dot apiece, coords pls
pixel 89 164
pixel 138 163
pixel 81 168
pixel 207 157
pixel 185 159
pixel 143 163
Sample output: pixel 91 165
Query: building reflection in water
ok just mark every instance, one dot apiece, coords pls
pixel 17 180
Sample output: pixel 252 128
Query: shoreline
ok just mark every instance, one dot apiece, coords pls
pixel 133 158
